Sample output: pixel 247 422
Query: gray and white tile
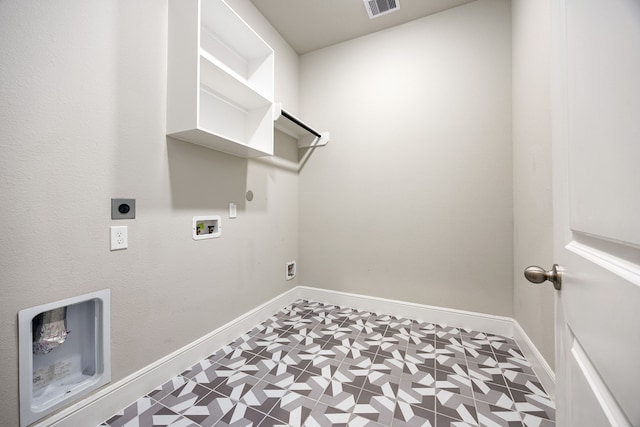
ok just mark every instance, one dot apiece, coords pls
pixel 292 409
pixel 210 409
pixel 318 364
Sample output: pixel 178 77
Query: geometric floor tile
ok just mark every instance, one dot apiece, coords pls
pixel 258 367
pixel 454 383
pixel 358 421
pixel 237 385
pixel 490 415
pixel 263 397
pixel 421 357
pixel 310 385
pixel 320 365
pixel 327 416
pixel 185 397
pixel 418 390
pixel 282 375
pixel 376 408
pixel 271 422
pixel 292 409
pixel 155 416
pixel 515 363
pixel 444 421
pixel 324 365
pixel 353 375
pixel 241 415
pixel 456 406
pixel 210 409
pixel 340 396
pixel 533 421
pixel 167 388
pixel 523 382
pixel 486 374
pixel 130 412
pixel 382 384
pixel 534 404
pixel 492 393
pixel 212 376
pixel 411 415
pixel 393 365
pixel 451 365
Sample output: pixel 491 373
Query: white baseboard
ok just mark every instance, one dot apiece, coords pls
pixel 498 325
pixel 114 397
pixel 463 319
pixel 107 401
pixel 539 364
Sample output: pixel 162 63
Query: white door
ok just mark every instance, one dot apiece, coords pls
pixel 596 149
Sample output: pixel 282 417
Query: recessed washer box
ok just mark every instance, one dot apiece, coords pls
pixel 64 353
pixel 206 227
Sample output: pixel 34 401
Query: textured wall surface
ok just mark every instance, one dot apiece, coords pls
pixel 412 198
pixel 532 198
pixel 83 90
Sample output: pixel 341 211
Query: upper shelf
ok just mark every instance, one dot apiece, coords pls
pixel 228 84
pixel 293 126
pixel 220 80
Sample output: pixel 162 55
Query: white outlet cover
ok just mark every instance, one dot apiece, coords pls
pixel 119 237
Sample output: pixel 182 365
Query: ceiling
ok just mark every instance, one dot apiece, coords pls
pixel 308 25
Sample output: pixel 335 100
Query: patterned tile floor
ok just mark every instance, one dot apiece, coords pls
pixel 315 364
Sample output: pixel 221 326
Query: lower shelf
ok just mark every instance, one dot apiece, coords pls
pixel 210 140
pixel 230 128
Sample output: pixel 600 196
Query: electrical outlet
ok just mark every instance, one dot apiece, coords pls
pixel 119 237
pixel 123 208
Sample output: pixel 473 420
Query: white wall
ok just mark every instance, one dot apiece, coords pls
pixel 532 198
pixel 412 198
pixel 82 118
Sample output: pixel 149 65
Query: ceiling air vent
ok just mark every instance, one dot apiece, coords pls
pixel 377 8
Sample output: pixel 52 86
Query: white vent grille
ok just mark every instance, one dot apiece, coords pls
pixel 377 8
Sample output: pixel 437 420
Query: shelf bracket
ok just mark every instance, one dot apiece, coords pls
pixel 293 126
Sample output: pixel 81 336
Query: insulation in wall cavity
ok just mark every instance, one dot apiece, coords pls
pixel 49 330
pixel 64 353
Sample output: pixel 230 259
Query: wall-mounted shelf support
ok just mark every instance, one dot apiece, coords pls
pixel 293 126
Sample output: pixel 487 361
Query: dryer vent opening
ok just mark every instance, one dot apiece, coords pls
pixel 377 8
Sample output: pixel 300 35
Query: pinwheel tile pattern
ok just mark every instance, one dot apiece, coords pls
pixel 314 364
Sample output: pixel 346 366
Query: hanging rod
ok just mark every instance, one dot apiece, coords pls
pixel 307 136
pixel 301 124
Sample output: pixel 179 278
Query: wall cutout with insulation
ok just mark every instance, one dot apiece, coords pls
pixel 64 352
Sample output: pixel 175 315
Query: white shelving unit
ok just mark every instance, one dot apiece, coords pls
pixel 220 80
